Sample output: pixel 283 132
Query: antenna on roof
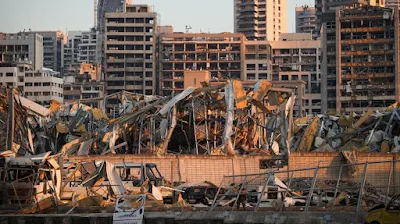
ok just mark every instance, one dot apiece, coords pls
pixel 188 28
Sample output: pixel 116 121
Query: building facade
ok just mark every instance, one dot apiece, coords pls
pixel 53 49
pixel 296 57
pixel 41 85
pixel 257 60
pixel 80 48
pixel 221 54
pixel 130 50
pixel 393 3
pixel 260 19
pixel 22 47
pixel 366 57
pixel 84 86
pixel 325 9
pixel 305 20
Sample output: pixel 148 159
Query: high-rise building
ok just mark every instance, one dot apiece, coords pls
pixel 325 9
pixel 393 3
pixel 362 59
pixel 53 49
pixel 130 39
pixel 326 29
pixel 305 20
pixel 104 6
pixel 296 56
pixel 260 19
pixel 22 47
pixel 220 54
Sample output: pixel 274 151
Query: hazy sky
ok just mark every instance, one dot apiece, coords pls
pixel 207 15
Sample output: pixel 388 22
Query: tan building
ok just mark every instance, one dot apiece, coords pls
pixel 83 86
pixel 130 51
pixel 260 19
pixel 220 54
pixel 257 61
pixel 296 56
pixel 195 78
pixel 363 59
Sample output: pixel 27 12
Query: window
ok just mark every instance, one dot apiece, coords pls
pixel 285 77
pixel 8 74
pixel 28 84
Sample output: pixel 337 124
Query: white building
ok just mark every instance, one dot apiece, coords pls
pixel 260 19
pixel 81 48
pixel 41 85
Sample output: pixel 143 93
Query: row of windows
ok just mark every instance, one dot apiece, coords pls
pixel 43 84
pixel 43 94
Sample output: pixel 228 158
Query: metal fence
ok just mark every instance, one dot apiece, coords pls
pixel 358 186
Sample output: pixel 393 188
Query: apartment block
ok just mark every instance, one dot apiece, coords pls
pixel 257 60
pixel 296 57
pixel 130 50
pixel 220 54
pixel 80 48
pixel 305 20
pixel 22 47
pixel 260 19
pixel 84 86
pixel 41 86
pixel 87 48
pixel 53 49
pixel 325 9
pixel 365 74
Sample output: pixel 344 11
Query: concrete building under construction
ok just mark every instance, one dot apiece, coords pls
pixel 362 59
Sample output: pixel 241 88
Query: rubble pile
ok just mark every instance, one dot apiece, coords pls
pixel 232 118
pixel 347 194
pixel 225 119
pixel 370 132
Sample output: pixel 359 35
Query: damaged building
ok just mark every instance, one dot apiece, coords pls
pixel 360 58
pixel 130 51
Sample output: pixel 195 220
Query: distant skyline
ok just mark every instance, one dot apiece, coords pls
pixel 201 15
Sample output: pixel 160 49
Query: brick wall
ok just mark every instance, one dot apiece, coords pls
pixel 194 169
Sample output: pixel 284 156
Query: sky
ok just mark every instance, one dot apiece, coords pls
pixel 67 15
